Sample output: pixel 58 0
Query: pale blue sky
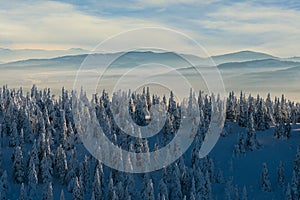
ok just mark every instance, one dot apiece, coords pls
pixel 220 26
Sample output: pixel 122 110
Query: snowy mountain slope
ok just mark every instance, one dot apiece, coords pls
pixel 246 169
pixel 41 145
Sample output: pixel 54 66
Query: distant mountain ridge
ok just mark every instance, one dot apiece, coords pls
pixel 241 56
pixel 122 59
pixel 270 63
pixel 80 54
pixel 243 61
pixel 11 55
pixel 248 71
pixel 295 59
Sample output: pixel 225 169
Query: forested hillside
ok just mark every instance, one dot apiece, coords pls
pixel 43 157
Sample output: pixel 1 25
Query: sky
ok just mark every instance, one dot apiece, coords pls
pixel 269 26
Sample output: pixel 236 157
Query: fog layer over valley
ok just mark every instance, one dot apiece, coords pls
pixel 249 71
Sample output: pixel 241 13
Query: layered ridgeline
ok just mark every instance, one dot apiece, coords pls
pixel 249 71
pixel 43 157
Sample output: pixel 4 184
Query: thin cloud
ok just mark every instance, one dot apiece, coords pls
pixel 251 26
pixel 54 23
pixel 219 26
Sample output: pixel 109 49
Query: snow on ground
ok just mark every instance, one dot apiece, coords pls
pixel 246 169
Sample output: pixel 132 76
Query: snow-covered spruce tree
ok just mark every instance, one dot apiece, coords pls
pixel 242 117
pixel 143 193
pixel 277 110
pixel 207 110
pixel 192 193
pixel 72 170
pixel 21 137
pixel 195 151
pixel 47 193
pixel 97 187
pixel 4 186
pixel 241 143
pixel 18 165
pixel 41 145
pixel 126 194
pixel 148 98
pixel 99 166
pixel 236 151
pixel 62 132
pixel 199 181
pixel 288 128
pixel 260 116
pixel 23 192
pixel 1 152
pixel 280 175
pixel 120 190
pixel 210 168
pixel 297 165
pixel 85 174
pixel 175 187
pixel 228 188
pixel 114 196
pixel 207 187
pixel 294 186
pixel 111 188
pixel 265 179
pixel 288 193
pixel 251 141
pixel 45 170
pixel 219 176
pixel 168 130
pixel 185 180
pixel 62 195
pixel 148 193
pixel 32 180
pixel 236 193
pixel 35 156
pixel 130 186
pixel 60 164
pixel 141 110
pixel 93 196
pixel 282 130
pixel 50 155
pixel 269 109
pixel 251 107
pixel 14 136
pixel 245 194
pixel 162 190
pixel 230 110
pixel 296 176
pixel 283 106
pixel 77 190
pixel 294 119
pixel 202 128
pixel 277 131
pixel 71 138
pixel 172 105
